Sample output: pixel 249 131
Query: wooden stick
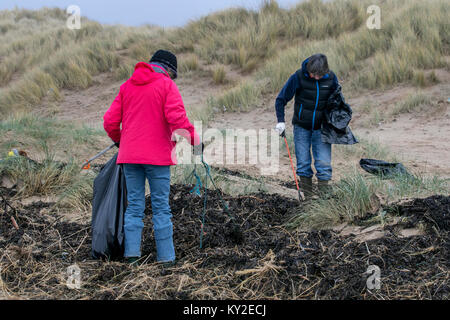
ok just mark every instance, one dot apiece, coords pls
pixel 14 223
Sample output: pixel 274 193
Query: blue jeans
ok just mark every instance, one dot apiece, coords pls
pixel 304 140
pixel 159 181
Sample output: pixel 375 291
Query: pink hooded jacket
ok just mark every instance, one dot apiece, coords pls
pixel 151 109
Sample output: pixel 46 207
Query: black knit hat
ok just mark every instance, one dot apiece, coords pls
pixel 168 59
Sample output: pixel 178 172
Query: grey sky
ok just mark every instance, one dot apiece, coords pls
pixel 166 13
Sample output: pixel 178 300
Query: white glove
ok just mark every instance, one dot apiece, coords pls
pixel 281 126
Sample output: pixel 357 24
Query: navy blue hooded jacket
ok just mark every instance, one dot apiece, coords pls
pixel 311 97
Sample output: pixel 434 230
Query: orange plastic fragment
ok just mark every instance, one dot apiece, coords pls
pixel 87 167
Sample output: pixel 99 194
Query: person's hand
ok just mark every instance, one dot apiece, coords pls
pixel 280 128
pixel 198 149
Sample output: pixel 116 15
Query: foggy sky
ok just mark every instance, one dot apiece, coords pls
pixel 165 13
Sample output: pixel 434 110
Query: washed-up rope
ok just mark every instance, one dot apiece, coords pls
pixel 196 189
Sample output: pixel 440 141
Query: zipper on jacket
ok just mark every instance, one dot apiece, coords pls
pixel 317 102
pixel 300 111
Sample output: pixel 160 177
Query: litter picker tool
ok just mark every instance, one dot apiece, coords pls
pixel 87 163
pixel 301 196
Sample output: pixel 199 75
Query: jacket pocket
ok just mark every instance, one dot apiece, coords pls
pixel 300 111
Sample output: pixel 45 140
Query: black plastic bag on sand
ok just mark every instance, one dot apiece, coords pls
pixel 383 168
pixel 108 210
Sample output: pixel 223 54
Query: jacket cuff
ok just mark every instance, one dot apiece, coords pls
pixel 195 139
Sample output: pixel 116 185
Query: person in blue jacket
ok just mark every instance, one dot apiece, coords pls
pixel 311 86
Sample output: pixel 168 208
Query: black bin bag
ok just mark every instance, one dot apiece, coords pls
pixel 108 211
pixel 383 169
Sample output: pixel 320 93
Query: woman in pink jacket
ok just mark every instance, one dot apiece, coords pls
pixel 151 110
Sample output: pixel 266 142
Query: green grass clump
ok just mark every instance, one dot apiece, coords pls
pixel 422 80
pixel 240 98
pixel 189 63
pixel 413 103
pixel 219 75
pixel 357 195
pixel 44 175
pixel 124 71
pixel 38 131
pixel 49 177
pixel 37 179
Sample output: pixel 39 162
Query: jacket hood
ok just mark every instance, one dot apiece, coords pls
pixel 144 74
pixel 306 73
